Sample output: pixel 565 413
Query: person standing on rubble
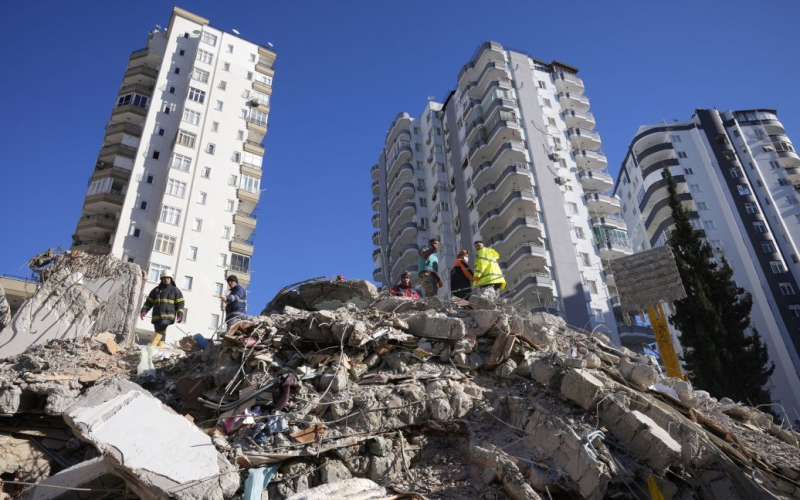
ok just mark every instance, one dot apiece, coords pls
pixel 428 268
pixel 167 304
pixel 461 276
pixel 405 288
pixel 235 302
pixel 487 268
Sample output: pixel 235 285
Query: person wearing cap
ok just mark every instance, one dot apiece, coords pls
pixel 428 268
pixel 461 276
pixel 235 302
pixel 167 304
pixel 487 268
pixel 405 288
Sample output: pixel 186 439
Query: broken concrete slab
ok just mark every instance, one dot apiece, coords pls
pixel 436 325
pixel 582 388
pixel 484 298
pixel 158 452
pixel 400 305
pixel 94 474
pixel 350 489
pixel 83 295
pixel 325 295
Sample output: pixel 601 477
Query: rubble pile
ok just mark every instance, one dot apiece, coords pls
pixel 336 391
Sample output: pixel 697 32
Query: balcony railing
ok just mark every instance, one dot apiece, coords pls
pixel 254 144
pixel 251 165
pixel 99 217
pixel 242 241
pixel 245 214
pixel 239 269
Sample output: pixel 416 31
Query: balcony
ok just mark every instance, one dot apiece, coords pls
pixel 253 147
pixel 93 247
pixel 590 160
pixel 373 172
pixel 141 73
pixel 399 126
pixel 251 170
pixel 584 139
pixel 569 82
pixel 257 127
pixel 265 68
pixel 401 155
pixel 519 231
pixel 103 170
pixel 611 221
pixel 242 274
pixel 376 203
pixel 244 220
pixel 488 52
pixel 579 119
pixel 405 257
pixel 247 199
pixel 376 220
pixel 137 88
pixel 654 154
pixel 108 152
pixel 405 235
pixel 611 249
pixel 115 131
pixel 569 100
pixel 794 175
pixel 528 259
pixel 404 175
pixel 633 336
pixel 262 87
pixel 376 253
pixel 138 54
pixel 501 132
pixel 110 201
pixel 489 171
pixel 609 278
pixel 90 225
pixel 596 181
pixel 128 112
pixel 518 203
pixel 787 156
pixel 242 246
pixel 403 194
pixel 535 289
pixel 492 72
pixel 376 237
pixel 514 177
pixel 602 203
pixel 377 275
pixel 405 214
pixel 376 187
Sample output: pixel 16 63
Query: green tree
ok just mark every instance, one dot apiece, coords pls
pixel 720 355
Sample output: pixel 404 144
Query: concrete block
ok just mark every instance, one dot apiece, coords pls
pixel 158 452
pixel 644 375
pixel 77 476
pixel 577 363
pixel 488 319
pixel 649 441
pixel 505 369
pixel 592 360
pixel 400 305
pixel 435 325
pixel 356 488
pixel 582 388
pixel 483 298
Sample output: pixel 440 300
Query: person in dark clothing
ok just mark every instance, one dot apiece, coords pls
pixel 235 302
pixel 405 288
pixel 167 304
pixel 461 276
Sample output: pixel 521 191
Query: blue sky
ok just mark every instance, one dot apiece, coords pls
pixel 344 70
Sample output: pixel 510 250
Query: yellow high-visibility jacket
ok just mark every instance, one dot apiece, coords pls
pixel 487 269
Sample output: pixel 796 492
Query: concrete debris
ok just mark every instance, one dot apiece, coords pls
pixel 5 310
pixel 82 295
pixel 338 392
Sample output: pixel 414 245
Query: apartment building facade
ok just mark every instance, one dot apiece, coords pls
pixel 736 173
pixel 177 179
pixel 522 171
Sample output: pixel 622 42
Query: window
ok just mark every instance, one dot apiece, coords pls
pixel 143 205
pixel 232 180
pixel 249 75
pixel 573 208
pixel 688 171
pixel 155 271
pixel 197 225
pixel 134 100
pixel 701 205
pixel 759 227
pixel 167 108
pixel 624 208
pixel 579 232
pixel 240 135
pixel 229 49
pixel 784 182
pixel 205 56
pixel 682 154
pixel 542 85
pixel 197 95
pixel 696 224
pixel 188 281
pixel 423 202
pixel 192 253
pixel 640 196
pixel 181 162
pixel 585 259
pixel 597 315
pixel 236 156
pixel 736 173
pixel 250 184
pixel 131 259
pixel 774 164
pixel 240 263
pixel 206 173
pixel 164 244
pixel 186 138
pixel 260 118
pixel 592 286
pixel 214 126
pixel 709 224
pixel 751 208
pixel 547 103
pixel 176 188
pixel 695 188
pixel 777 267
pixel 156 154
pixel 161 132
pixel 149 179
pixel 222 261
pixel 200 75
pixel 214 321
pixel 768 247
pixel 675 138
pixel 191 116
pixel 137 232
pixel 551 121
pixel 211 148
pixel 177 71
pixel 218 287
pixel 218 106
pixel 202 198
pixel 791 200
pixel 209 39
pixel 222 85
pixel 716 244
pixel 226 232
pixel 266 80
pixel 171 215
pixel 229 205
pixel 172 90
pixel 743 190
pixel 252 58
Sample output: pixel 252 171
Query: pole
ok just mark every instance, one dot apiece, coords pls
pixel 658 320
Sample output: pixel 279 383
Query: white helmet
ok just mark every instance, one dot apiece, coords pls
pixel 166 273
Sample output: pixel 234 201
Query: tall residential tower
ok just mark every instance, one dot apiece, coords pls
pixel 518 166
pixel 736 174
pixel 177 179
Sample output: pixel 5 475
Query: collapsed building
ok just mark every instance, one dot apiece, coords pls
pixel 338 391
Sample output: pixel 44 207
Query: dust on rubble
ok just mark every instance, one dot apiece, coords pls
pixel 338 388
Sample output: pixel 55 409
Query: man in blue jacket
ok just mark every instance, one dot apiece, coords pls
pixel 235 302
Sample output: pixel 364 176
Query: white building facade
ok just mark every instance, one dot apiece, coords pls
pixel 736 173
pixel 178 177
pixel 518 166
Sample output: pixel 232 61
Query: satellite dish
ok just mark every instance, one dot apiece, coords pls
pixel 235 32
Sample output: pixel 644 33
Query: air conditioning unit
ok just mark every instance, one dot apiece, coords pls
pixel 555 156
pixel 561 180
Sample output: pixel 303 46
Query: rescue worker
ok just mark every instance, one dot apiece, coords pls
pixel 405 288
pixel 235 302
pixel 428 268
pixel 487 268
pixel 167 304
pixel 461 276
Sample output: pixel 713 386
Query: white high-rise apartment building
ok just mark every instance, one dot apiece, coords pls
pixel 178 176
pixel 521 170
pixel 736 173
